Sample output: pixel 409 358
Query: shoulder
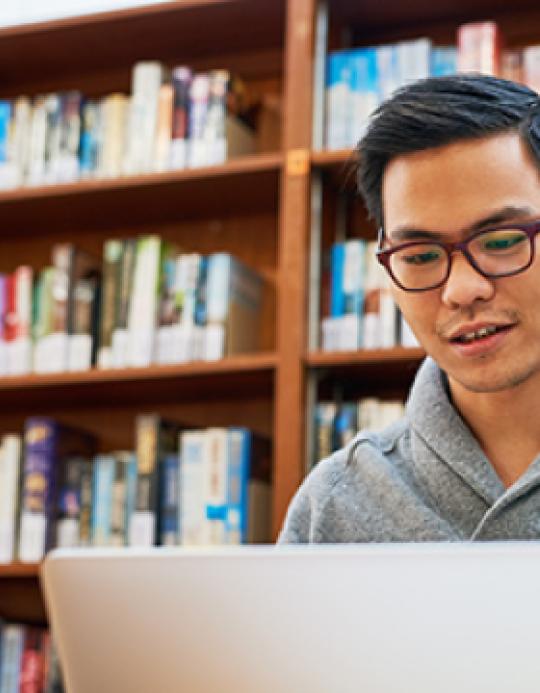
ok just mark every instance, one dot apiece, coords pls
pixel 326 506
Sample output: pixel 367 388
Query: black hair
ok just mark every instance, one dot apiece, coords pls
pixel 438 111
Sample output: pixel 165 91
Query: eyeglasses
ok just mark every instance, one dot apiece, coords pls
pixel 500 251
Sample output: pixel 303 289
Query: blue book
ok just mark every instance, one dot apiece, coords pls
pixel 345 425
pixel 248 488
pixel 337 297
pixel 353 277
pixel 443 61
pixel 170 472
pixel 5 117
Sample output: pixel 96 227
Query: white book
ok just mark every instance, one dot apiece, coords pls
pixel 38 134
pixel 147 78
pixel 407 336
pixel 10 469
pixel 143 308
pixel 215 485
pixel 192 515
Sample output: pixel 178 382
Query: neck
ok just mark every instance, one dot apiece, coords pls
pixel 505 423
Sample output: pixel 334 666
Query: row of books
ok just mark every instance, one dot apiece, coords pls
pixel 177 487
pixel 358 80
pixel 146 302
pixel 171 119
pixel 357 306
pixel 28 660
pixel 337 423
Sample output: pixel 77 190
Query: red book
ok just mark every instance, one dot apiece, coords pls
pixel 32 662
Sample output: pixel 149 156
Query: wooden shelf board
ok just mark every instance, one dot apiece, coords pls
pixel 19 570
pixel 363 357
pixel 238 376
pixel 325 158
pixel 175 32
pixel 244 184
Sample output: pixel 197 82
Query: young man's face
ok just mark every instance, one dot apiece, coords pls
pixel 448 191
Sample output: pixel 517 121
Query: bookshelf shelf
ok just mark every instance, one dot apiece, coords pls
pixel 366 357
pixel 19 570
pixel 34 56
pixel 327 158
pixel 234 377
pixel 246 184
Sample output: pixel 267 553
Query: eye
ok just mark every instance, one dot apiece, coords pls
pixel 421 258
pixel 502 241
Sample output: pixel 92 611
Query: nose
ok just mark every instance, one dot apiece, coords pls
pixel 465 285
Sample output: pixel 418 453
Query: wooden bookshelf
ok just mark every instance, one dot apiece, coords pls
pixel 19 570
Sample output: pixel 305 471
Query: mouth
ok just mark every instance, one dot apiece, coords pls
pixel 480 334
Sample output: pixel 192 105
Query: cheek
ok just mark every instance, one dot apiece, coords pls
pixel 419 310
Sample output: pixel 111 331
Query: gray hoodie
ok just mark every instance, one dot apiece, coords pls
pixel 425 478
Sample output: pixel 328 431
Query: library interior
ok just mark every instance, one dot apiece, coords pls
pixel 215 141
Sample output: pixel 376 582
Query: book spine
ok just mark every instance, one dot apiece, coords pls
pixel 215 494
pixel 337 296
pixel 124 294
pixel 479 48
pixel 531 67
pixel 364 93
pixel 192 487
pixel 10 462
pixel 119 529
pixel 181 80
pixel 338 100
pixel 38 488
pixel 144 530
pixel 102 499
pixel 32 662
pixel 68 513
pixel 198 113
pixel 216 117
pixel 325 416
pixel 443 61
pixel 88 153
pixel 162 153
pixel 112 256
pixel 142 320
pixel 146 82
pixel 170 495
pixel 239 444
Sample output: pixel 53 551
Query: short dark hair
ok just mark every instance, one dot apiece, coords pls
pixel 438 111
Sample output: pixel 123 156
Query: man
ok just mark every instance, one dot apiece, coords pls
pixel 450 170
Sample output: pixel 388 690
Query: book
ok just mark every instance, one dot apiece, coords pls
pixel 143 309
pixel 181 82
pixel 479 48
pixel 74 475
pixel 248 517
pixel 192 518
pixel 234 295
pixel 156 438
pixel 170 499
pixel 112 258
pixel 10 465
pixel 47 444
pixel 18 321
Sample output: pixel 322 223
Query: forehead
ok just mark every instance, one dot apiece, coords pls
pixel 449 188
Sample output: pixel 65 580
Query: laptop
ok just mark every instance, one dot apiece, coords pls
pixel 415 618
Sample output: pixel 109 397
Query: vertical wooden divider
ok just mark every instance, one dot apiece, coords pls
pixel 292 256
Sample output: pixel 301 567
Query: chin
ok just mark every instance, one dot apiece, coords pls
pixel 491 382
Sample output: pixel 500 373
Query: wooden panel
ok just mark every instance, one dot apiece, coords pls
pixel 175 32
pixel 372 17
pixel 246 185
pixel 239 377
pixel 294 225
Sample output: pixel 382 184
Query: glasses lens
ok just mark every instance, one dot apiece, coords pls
pixel 500 252
pixel 419 266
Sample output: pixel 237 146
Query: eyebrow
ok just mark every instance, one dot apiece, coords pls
pixel 500 216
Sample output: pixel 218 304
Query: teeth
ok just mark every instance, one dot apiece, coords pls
pixel 479 334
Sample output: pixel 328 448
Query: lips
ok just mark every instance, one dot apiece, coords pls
pixel 477 331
